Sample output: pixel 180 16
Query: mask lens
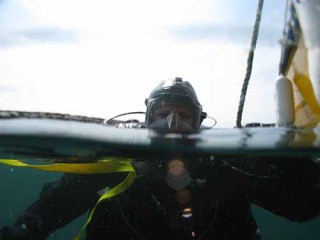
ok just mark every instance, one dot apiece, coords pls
pixel 182 112
pixel 171 121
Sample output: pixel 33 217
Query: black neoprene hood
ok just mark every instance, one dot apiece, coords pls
pixel 174 92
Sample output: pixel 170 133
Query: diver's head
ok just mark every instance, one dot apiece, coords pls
pixel 173 106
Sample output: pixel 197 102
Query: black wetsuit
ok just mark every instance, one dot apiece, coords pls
pixel 218 198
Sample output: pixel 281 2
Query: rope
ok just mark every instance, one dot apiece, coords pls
pixel 249 63
pixel 103 166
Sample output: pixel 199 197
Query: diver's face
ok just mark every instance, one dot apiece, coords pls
pixel 164 111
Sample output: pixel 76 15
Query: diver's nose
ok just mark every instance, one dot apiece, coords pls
pixel 173 120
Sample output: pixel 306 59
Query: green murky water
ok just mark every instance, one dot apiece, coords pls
pixel 59 139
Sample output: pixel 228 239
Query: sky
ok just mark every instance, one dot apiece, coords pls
pixel 102 58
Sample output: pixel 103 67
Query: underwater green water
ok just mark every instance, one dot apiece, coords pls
pixel 20 187
pixel 53 139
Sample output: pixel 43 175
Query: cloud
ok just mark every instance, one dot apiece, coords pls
pixel 230 33
pixel 6 88
pixel 97 13
pixel 37 35
pixel 19 26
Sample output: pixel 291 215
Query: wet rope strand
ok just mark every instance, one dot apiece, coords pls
pixel 249 63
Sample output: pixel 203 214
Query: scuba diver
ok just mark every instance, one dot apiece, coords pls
pixel 177 196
